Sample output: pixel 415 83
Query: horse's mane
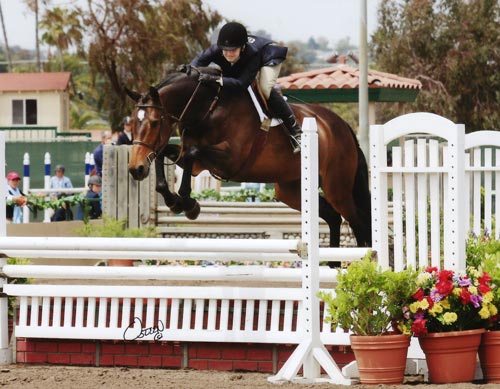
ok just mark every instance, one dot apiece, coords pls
pixel 195 72
pixel 172 77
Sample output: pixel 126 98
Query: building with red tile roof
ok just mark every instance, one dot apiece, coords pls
pixel 35 100
pixel 340 84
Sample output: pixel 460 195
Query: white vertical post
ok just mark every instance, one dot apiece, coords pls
pixel 378 161
pixel 454 250
pixel 26 185
pixel 46 185
pixel 87 168
pixel 92 162
pixel 310 237
pixel 5 352
pixel 311 354
pixel 363 81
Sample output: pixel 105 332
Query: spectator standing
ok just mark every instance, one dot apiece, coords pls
pixel 126 137
pixel 92 199
pixel 60 181
pixel 106 138
pixel 14 212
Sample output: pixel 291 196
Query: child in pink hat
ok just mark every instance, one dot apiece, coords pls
pixel 15 199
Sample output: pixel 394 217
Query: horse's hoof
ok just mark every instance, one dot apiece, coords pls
pixel 194 212
pixel 176 207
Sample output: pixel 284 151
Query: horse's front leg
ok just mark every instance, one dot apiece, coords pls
pixel 172 200
pixel 191 206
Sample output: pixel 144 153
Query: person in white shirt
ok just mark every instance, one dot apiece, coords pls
pixel 59 181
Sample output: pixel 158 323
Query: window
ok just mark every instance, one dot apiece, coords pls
pixel 17 112
pixel 24 111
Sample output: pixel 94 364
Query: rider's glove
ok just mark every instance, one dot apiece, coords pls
pixel 208 78
pixel 185 68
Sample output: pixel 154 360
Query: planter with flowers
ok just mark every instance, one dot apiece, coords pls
pixel 449 314
pixel 485 251
pixel 373 305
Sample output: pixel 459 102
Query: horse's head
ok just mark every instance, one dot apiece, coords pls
pixel 148 122
pixel 177 99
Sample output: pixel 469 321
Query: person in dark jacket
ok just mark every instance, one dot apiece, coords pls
pixel 92 203
pixel 243 58
pixel 125 137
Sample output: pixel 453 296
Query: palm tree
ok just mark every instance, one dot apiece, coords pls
pixel 33 6
pixel 62 30
pixel 7 48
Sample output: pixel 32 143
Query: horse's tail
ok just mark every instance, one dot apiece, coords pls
pixel 361 190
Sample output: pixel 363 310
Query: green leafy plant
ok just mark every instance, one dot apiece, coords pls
pixel 483 252
pixel 111 227
pixel 370 301
pixel 266 195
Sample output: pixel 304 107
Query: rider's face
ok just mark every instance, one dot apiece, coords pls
pixel 232 56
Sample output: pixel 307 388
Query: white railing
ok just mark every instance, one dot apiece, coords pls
pixel 246 314
pixel 437 176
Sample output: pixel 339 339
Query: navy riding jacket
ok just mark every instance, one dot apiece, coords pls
pixel 258 52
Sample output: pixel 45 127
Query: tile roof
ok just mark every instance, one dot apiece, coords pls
pixel 344 77
pixel 24 82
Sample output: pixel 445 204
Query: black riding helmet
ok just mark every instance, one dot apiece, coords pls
pixel 231 36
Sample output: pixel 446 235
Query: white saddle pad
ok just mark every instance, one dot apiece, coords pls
pixel 262 115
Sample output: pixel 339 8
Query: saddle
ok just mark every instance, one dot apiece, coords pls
pixel 262 108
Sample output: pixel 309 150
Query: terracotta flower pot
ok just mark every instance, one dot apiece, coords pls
pixel 489 355
pixel 451 356
pixel 381 359
pixel 120 262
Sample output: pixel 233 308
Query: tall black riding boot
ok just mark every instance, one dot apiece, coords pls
pixel 282 110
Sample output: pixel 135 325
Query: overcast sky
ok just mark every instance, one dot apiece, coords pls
pixel 285 20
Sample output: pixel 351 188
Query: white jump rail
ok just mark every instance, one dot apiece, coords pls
pixel 200 313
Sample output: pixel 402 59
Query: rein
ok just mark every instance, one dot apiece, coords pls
pixel 154 152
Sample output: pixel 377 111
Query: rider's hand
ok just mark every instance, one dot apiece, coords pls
pixel 208 78
pixel 20 200
pixel 184 68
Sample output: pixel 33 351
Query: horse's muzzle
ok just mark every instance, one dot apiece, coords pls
pixel 139 173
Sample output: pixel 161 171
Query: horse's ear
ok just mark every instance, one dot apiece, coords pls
pixel 133 95
pixel 153 92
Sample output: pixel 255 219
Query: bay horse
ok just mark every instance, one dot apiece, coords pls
pixel 219 128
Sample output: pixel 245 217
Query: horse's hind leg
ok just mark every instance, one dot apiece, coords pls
pixel 334 220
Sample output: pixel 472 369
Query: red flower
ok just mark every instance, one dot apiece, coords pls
pixel 419 327
pixel 430 301
pixel 484 279
pixel 418 295
pixel 429 269
pixel 483 289
pixel 465 296
pixel 444 287
pixel 445 275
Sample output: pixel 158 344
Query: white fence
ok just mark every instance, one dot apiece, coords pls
pixel 436 177
pixel 84 312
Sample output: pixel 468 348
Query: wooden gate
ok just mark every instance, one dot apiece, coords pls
pixel 122 196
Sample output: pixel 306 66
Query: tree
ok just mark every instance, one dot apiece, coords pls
pixel 134 42
pixel 7 48
pixel 62 30
pixel 33 5
pixel 452 46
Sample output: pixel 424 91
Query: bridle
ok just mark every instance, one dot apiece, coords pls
pixel 178 121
